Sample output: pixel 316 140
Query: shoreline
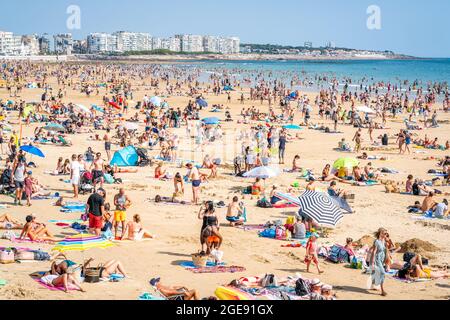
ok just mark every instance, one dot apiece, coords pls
pixel 209 57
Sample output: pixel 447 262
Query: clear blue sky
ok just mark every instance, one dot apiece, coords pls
pixel 415 27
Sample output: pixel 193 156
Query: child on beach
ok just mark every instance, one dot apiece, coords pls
pixel 311 253
pixel 28 187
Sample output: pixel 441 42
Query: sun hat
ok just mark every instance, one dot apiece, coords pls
pixel 316 283
pixel 327 287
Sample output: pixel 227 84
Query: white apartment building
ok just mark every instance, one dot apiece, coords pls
pixel 63 43
pixel 10 44
pixel 210 44
pixel 191 43
pixel 101 42
pixel 133 41
pixel 229 45
pixel 157 43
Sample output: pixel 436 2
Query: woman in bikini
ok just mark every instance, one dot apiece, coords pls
pixel 135 230
pixel 36 232
pixel 327 176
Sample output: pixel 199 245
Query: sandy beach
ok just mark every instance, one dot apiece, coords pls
pixel 177 227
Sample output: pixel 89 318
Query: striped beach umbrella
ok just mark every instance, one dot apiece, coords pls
pixel 82 242
pixel 320 208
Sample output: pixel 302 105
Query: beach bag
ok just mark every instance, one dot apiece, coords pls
pixel 263 203
pixel 302 288
pixel 268 233
pixel 7 256
pixel 269 280
pixel 338 255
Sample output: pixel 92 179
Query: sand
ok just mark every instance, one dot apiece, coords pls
pixel 177 227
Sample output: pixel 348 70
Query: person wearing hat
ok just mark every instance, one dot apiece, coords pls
pixel 316 290
pixel 173 291
pixel 327 292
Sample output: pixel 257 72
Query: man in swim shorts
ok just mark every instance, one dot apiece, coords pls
pixel 194 176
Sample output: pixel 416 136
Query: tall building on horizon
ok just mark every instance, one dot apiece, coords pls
pixel 10 44
pixel 63 43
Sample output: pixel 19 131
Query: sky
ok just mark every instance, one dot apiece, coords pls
pixel 415 27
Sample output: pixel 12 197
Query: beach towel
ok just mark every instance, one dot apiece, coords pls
pixel 258 227
pixel 190 264
pixel 217 269
pixel 284 205
pixel 298 244
pixel 148 297
pixel 3 282
pixel 66 221
pixel 49 287
pixel 16 240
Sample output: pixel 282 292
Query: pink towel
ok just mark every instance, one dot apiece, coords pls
pixel 71 287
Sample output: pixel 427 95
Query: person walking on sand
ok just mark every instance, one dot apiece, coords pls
pixel 312 253
pixel 107 140
pixel 75 172
pixel 95 208
pixel 194 176
pixel 378 259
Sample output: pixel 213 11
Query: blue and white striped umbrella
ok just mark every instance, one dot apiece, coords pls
pixel 321 208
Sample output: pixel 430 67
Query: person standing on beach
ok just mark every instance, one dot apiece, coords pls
pixel 18 178
pixel 378 259
pixel 95 209
pixel 357 140
pixel 122 203
pixel 282 146
pixel 97 172
pixel 194 176
pixel 75 171
pixel 107 140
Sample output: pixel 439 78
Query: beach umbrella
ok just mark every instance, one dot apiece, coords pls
pixel 292 127
pixel 114 105
pixel 262 172
pixel 288 198
pixel 32 150
pixel 82 242
pixel 156 101
pixel 54 127
pixel 210 121
pixel 131 126
pixel 202 103
pixel 365 109
pixel 320 208
pixel 347 162
pixel 83 108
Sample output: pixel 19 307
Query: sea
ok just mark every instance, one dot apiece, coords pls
pixel 403 73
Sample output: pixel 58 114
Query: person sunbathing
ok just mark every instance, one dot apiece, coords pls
pixel 62 281
pixel 327 176
pixel 428 203
pixel 358 175
pixel 418 272
pixel 36 232
pixel 135 230
pixel 35 255
pixel 171 291
pixel 116 169
pixel 9 223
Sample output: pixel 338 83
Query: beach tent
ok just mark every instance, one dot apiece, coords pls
pixel 127 157
pixel 228 88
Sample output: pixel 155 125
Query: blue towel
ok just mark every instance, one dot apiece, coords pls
pixel 190 264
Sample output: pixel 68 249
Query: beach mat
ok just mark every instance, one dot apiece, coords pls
pixel 218 269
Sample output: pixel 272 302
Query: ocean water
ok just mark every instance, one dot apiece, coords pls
pixel 360 71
